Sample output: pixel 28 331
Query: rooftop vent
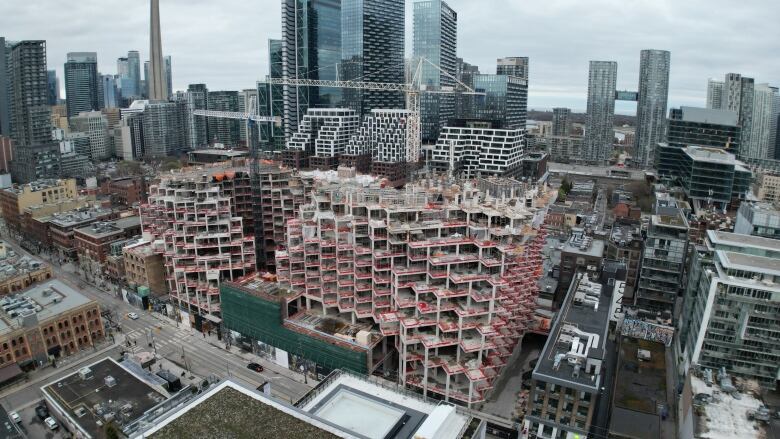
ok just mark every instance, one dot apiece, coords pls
pixel 110 381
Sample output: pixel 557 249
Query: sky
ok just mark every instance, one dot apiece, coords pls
pixel 223 43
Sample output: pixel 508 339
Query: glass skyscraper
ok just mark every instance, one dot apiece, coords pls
pixel 54 87
pixel 599 130
pixel 311 49
pixel 651 108
pixel 372 42
pixel 505 100
pixel 82 83
pixel 435 39
pixel 270 100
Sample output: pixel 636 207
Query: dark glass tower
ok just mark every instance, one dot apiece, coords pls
pixel 82 83
pixel 435 39
pixel 310 49
pixel 225 131
pixel 372 41
pixel 270 100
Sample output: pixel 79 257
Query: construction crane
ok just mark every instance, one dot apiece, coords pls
pixel 411 90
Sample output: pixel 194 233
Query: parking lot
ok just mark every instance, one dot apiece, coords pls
pixel 35 428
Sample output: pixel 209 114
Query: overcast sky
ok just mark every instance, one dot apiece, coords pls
pixel 224 42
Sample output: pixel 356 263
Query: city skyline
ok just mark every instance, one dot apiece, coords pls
pixel 229 59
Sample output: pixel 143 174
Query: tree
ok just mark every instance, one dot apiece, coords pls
pixel 128 167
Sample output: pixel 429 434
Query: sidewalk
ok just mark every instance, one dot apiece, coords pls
pixel 248 357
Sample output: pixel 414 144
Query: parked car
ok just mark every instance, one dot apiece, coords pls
pixel 42 412
pixel 15 417
pixel 51 423
pixel 254 366
pixel 132 316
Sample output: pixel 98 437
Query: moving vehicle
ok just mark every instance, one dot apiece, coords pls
pixel 132 316
pixel 51 423
pixel 254 366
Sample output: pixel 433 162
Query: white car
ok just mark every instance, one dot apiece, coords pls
pixel 15 417
pixel 51 423
pixel 132 316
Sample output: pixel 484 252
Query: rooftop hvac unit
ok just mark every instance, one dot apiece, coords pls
pixel 85 373
pixel 110 381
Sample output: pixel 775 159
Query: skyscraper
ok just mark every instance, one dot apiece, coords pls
pixel 372 43
pixel 465 73
pixel 435 39
pixel 54 87
pixel 513 66
pixel 738 96
pixel 29 98
pixel 505 100
pixel 168 76
pixel 311 49
pixel 225 131
pixel 599 131
pixel 763 114
pixel 82 83
pixel 156 83
pixel 129 72
pixel 651 108
pixel 197 99
pixel 111 94
pixel 247 103
pixel 5 104
pixel 270 100
pixel 714 94
pixel 144 83
pixel 561 122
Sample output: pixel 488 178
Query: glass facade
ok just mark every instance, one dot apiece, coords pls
pixel 505 100
pixel 310 49
pixel 435 39
pixel 82 83
pixel 270 100
pixel 372 43
pixel 225 131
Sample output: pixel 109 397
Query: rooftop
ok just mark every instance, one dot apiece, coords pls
pixel 103 229
pixel 640 385
pixel 232 411
pixel 711 155
pixel 739 240
pixel 574 351
pixel 377 409
pixel 78 216
pixel 37 185
pixel 13 265
pixel 220 152
pixel 724 416
pixel 710 116
pixel 100 392
pixel 584 245
pixel 45 300
pixel 626 232
pixel 749 263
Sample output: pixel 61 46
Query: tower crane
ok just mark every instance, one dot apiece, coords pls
pixel 411 90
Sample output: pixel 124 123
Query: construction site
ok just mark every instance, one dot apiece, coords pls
pixel 445 271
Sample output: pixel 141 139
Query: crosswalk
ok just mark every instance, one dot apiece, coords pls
pixel 163 340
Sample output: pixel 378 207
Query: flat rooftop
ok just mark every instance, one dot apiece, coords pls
pixel 102 229
pixel 585 246
pixel 740 240
pixel 711 155
pixel 710 116
pixel 14 265
pixel 640 386
pixel 89 401
pixel 77 217
pixel 749 263
pixel 580 325
pixel 46 300
pixel 220 152
pixel 232 411
pixel 376 410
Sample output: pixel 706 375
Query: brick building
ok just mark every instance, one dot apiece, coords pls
pixel 15 199
pixel 49 319
pixel 145 266
pixel 93 242
pixel 62 227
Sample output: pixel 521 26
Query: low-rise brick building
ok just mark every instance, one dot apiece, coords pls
pixel 145 266
pixel 93 242
pixel 48 319
pixel 18 272
pixel 62 227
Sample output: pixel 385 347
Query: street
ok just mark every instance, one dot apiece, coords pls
pixel 204 356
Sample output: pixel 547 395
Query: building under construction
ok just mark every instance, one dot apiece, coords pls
pixel 443 271
pixel 203 234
